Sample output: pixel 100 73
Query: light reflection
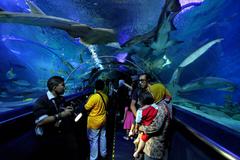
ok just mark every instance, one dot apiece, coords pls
pixel 186 5
pixel 92 49
pixel 184 2
pixel 121 57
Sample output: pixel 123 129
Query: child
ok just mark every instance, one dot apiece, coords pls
pixel 144 116
pixel 128 120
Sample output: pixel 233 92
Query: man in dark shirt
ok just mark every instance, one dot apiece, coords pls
pixel 158 91
pixel 54 123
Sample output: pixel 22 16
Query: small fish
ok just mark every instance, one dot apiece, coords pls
pixel 10 74
pixel 18 97
pixel 23 83
pixel 3 94
pixel 27 99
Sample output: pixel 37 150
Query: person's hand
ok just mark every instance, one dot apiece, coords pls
pixel 122 121
pixel 67 112
pixel 130 134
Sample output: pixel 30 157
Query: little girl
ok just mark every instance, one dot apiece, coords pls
pixel 128 120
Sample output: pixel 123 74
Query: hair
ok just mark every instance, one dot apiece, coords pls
pixel 54 81
pixel 99 85
pixel 146 98
pixel 148 76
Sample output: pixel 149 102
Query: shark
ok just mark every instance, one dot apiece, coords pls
pixel 168 7
pixel 177 90
pixel 209 82
pixel 159 35
pixel 87 34
pixel 156 41
pixel 191 58
pixel 199 52
pixel 201 83
pixel 217 83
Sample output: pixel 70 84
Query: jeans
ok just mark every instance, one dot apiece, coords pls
pixel 97 139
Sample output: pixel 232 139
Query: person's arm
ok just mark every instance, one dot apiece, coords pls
pixel 138 120
pixel 131 132
pixel 134 102
pixel 40 111
pixel 46 120
pixel 90 103
pixel 133 107
pixel 136 129
pixel 125 114
pixel 54 118
pixel 168 96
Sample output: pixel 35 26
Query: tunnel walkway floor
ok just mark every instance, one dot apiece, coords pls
pixel 122 149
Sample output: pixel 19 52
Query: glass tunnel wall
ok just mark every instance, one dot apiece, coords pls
pixel 195 53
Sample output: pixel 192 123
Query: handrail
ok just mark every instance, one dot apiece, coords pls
pixel 212 144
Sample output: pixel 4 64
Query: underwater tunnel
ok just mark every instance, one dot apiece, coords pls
pixel 191 46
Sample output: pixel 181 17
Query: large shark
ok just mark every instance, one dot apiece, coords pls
pixel 160 33
pixel 168 7
pixel 158 40
pixel 209 82
pixel 201 83
pixel 87 34
pixel 199 52
pixel 191 58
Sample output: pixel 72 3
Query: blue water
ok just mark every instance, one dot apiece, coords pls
pixel 29 55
